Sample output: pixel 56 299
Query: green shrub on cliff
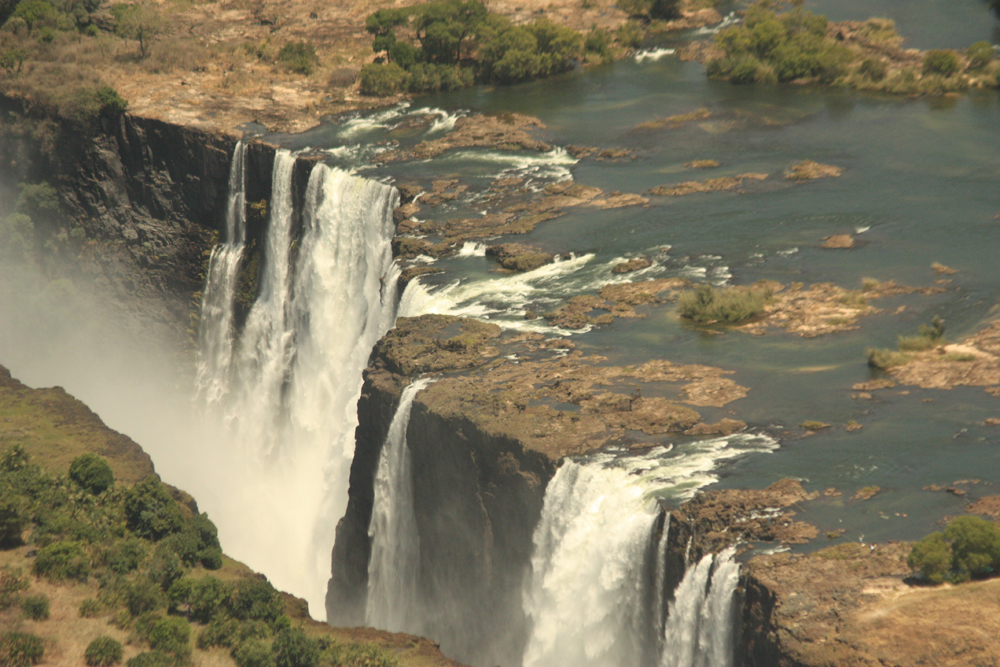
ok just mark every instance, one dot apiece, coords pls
pixel 91 472
pixel 941 61
pixel 298 57
pixel 969 547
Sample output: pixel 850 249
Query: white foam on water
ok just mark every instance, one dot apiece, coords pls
pixel 653 54
pixel 472 249
pixel 732 18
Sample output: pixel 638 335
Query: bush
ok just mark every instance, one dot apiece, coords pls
pixel 222 632
pixel 197 542
pixel 979 54
pixel 109 102
pixel 255 599
pixel 629 35
pixel 62 560
pixel 153 659
pixel 11 585
pixel 730 305
pixel 20 649
pixel 13 515
pixel 150 512
pixel 975 546
pixel 91 472
pixel 873 69
pixel 36 607
pixel 142 595
pixel 941 61
pixel 204 597
pixel 171 635
pixel 125 555
pixel 885 359
pixel 90 608
pixel 298 57
pixel 292 648
pixel 254 653
pixel 381 80
pixel 361 655
pixel 165 568
pixel 932 556
pixel 103 652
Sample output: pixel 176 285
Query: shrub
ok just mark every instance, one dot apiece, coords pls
pixel 197 542
pixel 941 61
pixel 171 635
pixel 598 42
pixel 150 512
pixel 90 608
pixel 13 515
pixel 220 632
pixel 979 54
pixel 381 80
pixel 142 596
pixel 62 560
pixel 203 597
pixel 884 359
pixel 20 649
pixel 153 659
pixel 11 585
pixel 873 69
pixel 292 648
pixel 103 652
pixel 91 472
pixel 629 35
pixel 165 568
pixel 125 555
pixel 975 546
pixel 109 102
pixel 254 653
pixel 932 556
pixel 729 305
pixel 298 57
pixel 255 599
pixel 915 343
pixel 36 607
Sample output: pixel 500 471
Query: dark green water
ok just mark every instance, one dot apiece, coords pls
pixel 919 186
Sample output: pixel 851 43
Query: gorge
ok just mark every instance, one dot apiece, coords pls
pixel 521 464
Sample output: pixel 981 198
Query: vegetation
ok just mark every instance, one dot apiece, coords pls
pixel 968 548
pixel 458 42
pixel 928 337
pixel 651 9
pixel 20 649
pixel 36 607
pixel 298 57
pixel 103 652
pixel 92 473
pixel 799 46
pixel 729 305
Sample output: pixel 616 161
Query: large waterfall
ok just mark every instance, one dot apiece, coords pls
pixel 392 568
pixel 288 382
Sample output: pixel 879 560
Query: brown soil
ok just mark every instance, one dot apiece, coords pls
pixel 725 183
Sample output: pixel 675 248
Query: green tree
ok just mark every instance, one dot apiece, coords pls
pixel 150 512
pixel 292 648
pixel 139 21
pixel 932 556
pixel 103 652
pixel 35 12
pixel 91 472
pixel 975 546
pixel 444 25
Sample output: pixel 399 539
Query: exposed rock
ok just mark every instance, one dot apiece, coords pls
pixel 866 493
pixel 942 270
pixel 814 425
pixel 988 506
pixel 631 265
pixel 434 343
pixel 710 185
pixel 519 257
pixel 702 164
pixel 874 385
pixel 849 605
pixel 412 272
pixel 808 170
pixel 615 301
pixel 600 154
pixel 724 426
pixel 509 131
pixel 973 363
pixel 838 241
pixel 674 122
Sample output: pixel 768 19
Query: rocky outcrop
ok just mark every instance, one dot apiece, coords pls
pixel 485 439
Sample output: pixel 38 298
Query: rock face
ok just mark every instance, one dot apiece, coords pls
pixel 148 197
pixel 485 438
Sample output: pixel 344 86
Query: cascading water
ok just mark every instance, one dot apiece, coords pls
pixel 288 384
pixel 700 621
pixel 593 598
pixel 215 338
pixel 392 568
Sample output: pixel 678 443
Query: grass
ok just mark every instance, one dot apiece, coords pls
pixel 728 305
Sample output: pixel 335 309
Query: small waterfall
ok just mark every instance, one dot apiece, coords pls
pixel 700 622
pixel 215 337
pixel 392 568
pixel 288 384
pixel 593 598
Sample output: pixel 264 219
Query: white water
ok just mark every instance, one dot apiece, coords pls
pixel 289 395
pixel 700 622
pixel 215 337
pixel 585 598
pixel 392 567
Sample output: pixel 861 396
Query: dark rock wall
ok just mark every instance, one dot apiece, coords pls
pixel 477 499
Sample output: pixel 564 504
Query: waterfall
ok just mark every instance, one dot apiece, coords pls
pixel 392 568
pixel 700 620
pixel 215 337
pixel 593 599
pixel 287 386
